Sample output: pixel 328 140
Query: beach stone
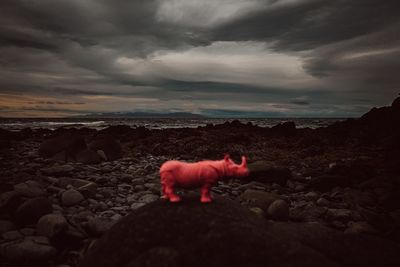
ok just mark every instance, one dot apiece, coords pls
pixel 29 189
pixel 260 199
pixel 213 232
pixel 51 225
pixel 27 250
pixel 88 189
pixel 323 202
pixel 137 205
pixel 9 201
pixel 12 235
pixel 71 197
pixel 339 214
pixel 148 198
pixel 31 210
pixel 278 210
pixel 6 226
pixel 311 195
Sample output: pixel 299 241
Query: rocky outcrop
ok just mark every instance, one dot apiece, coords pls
pixel 224 233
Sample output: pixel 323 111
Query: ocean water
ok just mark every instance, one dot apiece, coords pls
pixel 154 123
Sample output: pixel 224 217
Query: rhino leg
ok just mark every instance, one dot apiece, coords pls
pixel 168 187
pixel 163 193
pixel 205 193
pixel 170 193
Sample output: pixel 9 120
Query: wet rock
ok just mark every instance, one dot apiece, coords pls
pixel 29 189
pixel 278 210
pixel 6 226
pixel 284 129
pixel 326 182
pixel 88 156
pixel 71 197
pixel 51 225
pixel 67 145
pixel 27 231
pixel 27 250
pixel 260 199
pixel 108 144
pixel 31 210
pixel 267 172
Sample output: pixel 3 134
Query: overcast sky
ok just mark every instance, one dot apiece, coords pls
pixel 318 58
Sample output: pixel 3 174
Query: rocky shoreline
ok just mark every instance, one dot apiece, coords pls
pixel 62 190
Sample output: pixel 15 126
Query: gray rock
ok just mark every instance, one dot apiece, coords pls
pixel 323 202
pixel 12 235
pixel 308 213
pixel 278 210
pixel 31 210
pixel 6 226
pixel 29 189
pixel 148 198
pixel 27 231
pixel 137 205
pixel 258 211
pixel 58 170
pixel 260 199
pixel 28 249
pixel 311 195
pixel 98 226
pixel 51 225
pixel 88 189
pixel 338 214
pixel 71 197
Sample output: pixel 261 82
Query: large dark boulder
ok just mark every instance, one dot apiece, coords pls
pixel 68 144
pixel 108 144
pixel 224 233
pixel 268 172
pixel 284 129
pixel 396 103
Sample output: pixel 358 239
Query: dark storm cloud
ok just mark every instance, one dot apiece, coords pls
pixel 308 24
pixel 355 42
pixel 111 47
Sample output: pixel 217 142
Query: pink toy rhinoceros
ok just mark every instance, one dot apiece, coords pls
pixel 202 174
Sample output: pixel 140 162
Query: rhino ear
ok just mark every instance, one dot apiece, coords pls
pixel 226 157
